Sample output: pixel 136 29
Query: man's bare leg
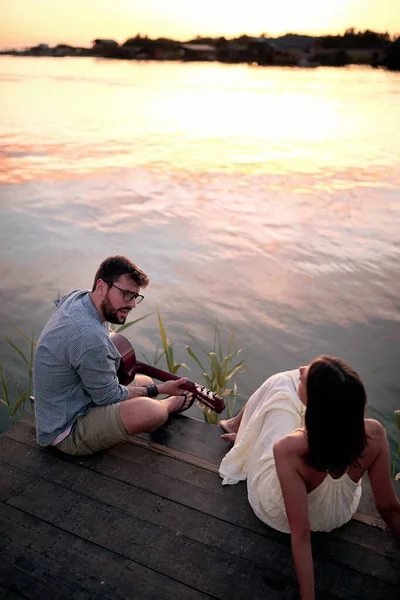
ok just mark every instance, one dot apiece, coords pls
pixel 144 415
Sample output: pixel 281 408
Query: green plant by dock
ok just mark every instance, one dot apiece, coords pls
pixel 219 373
pixel 23 394
pixel 217 376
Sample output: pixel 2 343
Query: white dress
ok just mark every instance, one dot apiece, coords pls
pixel 272 412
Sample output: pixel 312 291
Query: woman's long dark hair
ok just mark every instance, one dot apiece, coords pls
pixel 334 416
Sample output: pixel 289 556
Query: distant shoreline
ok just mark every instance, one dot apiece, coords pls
pixel 363 47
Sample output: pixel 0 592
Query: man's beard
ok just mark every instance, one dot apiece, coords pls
pixel 111 314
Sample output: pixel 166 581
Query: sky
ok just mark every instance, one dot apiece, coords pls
pixel 28 22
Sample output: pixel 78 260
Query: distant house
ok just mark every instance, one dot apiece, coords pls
pixel 260 51
pixel 141 49
pixel 198 52
pixel 233 52
pixel 66 50
pixel 330 57
pixel 266 52
pixel 293 41
pixel 104 47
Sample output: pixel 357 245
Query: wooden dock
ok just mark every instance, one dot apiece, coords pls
pixel 149 519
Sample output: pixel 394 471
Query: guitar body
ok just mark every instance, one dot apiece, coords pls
pixel 130 367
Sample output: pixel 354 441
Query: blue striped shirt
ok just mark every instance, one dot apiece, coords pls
pixel 75 367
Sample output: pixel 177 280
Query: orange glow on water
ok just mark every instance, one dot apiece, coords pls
pixel 64 118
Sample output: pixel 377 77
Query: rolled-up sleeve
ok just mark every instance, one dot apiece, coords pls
pixel 97 370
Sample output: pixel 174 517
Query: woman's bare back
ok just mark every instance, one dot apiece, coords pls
pixel 298 448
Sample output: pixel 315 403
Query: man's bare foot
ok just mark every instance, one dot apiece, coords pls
pixel 229 437
pixel 229 425
pixel 175 404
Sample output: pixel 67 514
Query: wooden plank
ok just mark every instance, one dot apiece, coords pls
pixel 15 580
pixel 190 437
pixel 194 437
pixel 194 482
pixel 176 454
pixel 371 518
pixel 71 567
pixel 158 548
pixel 139 502
pixel 6 594
pixel 162 475
pixel 201 490
pixel 12 484
pixel 352 533
pixel 234 540
pixel 126 496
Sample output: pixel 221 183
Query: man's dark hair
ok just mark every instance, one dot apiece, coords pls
pixel 334 418
pixel 113 267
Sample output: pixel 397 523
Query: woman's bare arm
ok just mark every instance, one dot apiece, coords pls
pixel 295 497
pixel 379 475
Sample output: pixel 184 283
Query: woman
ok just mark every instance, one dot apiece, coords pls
pixel 304 465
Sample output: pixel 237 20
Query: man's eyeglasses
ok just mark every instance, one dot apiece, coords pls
pixel 129 296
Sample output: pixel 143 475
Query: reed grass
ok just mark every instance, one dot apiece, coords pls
pixel 219 373
pixel 217 376
pixel 121 328
pixel 23 394
pixel 166 351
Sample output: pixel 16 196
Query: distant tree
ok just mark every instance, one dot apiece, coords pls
pixel 352 39
pixel 221 42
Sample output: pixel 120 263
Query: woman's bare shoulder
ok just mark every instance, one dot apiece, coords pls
pixel 294 442
pixel 374 429
pixel 376 438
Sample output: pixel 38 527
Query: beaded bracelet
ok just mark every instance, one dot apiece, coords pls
pixel 152 390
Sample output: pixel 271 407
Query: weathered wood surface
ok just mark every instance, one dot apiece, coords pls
pixel 150 519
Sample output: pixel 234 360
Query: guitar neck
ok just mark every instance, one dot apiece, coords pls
pixel 204 395
pixel 130 367
pixel 151 371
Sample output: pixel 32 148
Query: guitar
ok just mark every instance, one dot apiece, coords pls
pixel 129 367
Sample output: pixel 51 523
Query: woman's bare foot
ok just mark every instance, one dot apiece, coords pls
pixel 175 404
pixel 229 437
pixel 229 425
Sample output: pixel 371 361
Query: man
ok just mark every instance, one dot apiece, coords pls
pixel 79 403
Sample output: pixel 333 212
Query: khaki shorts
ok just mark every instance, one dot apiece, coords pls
pixel 100 428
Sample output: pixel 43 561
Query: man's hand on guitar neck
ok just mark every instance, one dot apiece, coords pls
pixel 172 387
pixel 169 388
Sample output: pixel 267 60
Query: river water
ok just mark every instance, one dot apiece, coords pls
pixel 266 199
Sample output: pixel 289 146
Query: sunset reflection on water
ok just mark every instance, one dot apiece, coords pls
pixel 266 198
pixel 61 117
